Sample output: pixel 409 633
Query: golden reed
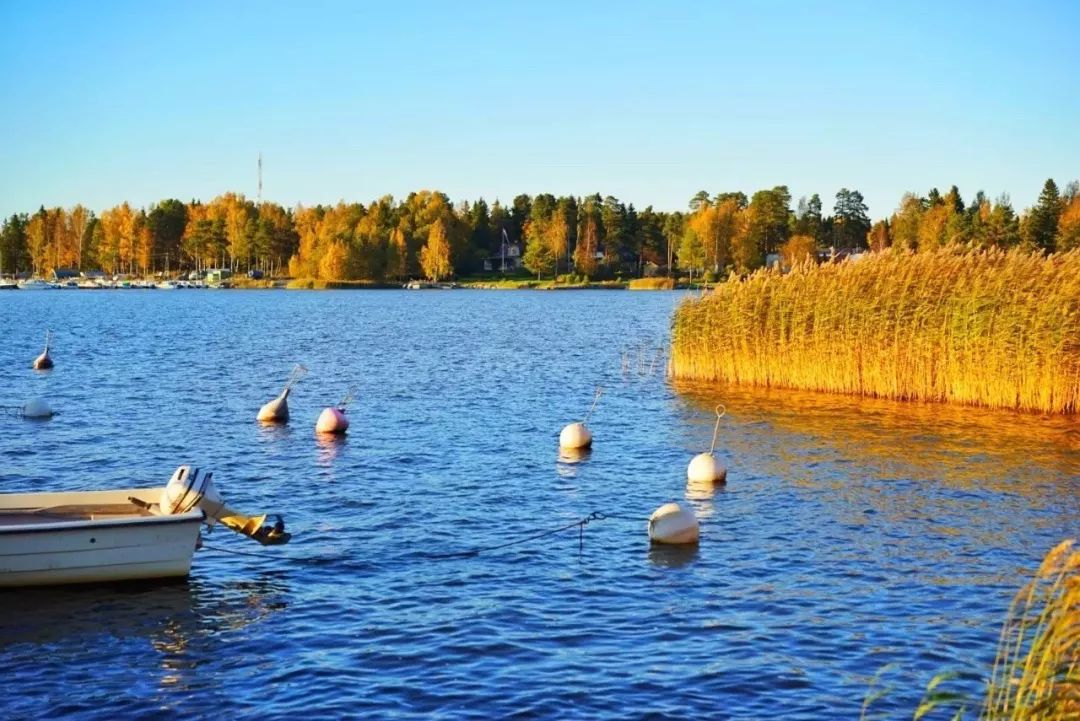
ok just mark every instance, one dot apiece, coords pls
pixel 990 328
pixel 1037 670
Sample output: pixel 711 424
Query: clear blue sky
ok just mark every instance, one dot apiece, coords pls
pixel 140 101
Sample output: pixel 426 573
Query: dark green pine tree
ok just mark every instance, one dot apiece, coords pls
pixel 14 255
pixel 850 220
pixel 481 238
pixel 1041 227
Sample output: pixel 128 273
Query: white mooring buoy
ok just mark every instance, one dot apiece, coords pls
pixel 704 468
pixel 43 362
pixel 277 410
pixel 671 523
pixel 333 420
pixel 578 435
pixel 36 408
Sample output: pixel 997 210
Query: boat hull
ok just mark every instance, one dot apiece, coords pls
pixel 37 551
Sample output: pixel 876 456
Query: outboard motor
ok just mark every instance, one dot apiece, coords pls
pixel 190 487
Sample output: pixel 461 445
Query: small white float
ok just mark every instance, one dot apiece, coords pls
pixel 36 408
pixel 704 468
pixel 106 536
pixel 277 410
pixel 578 435
pixel 671 523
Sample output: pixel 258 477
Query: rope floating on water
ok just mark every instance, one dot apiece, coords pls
pixel 580 524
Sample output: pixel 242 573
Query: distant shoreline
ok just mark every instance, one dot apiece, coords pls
pixel 487 284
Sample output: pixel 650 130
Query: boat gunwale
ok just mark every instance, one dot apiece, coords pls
pixel 85 524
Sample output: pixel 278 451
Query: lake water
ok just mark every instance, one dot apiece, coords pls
pixel 852 534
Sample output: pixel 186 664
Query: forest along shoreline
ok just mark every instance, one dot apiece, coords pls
pixel 566 241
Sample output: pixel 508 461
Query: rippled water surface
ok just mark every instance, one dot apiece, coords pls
pixel 852 534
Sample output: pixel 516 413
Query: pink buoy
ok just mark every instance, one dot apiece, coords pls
pixel 332 420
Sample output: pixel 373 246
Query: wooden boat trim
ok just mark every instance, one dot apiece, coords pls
pixel 85 524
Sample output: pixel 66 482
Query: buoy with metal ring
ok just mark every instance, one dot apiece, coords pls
pixel 578 435
pixel 704 468
pixel 332 420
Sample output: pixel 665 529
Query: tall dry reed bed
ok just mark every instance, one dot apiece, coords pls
pixel 1036 672
pixel 990 328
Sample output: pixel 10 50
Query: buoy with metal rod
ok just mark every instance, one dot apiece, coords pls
pixel 43 362
pixel 332 420
pixel 578 435
pixel 277 410
pixel 674 524
pixel 704 468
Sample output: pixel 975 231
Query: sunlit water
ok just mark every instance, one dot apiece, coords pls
pixel 851 535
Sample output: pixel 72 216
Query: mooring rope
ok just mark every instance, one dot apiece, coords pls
pixel 580 524
pixel 596 399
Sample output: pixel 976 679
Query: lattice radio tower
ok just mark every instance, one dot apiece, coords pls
pixel 259 195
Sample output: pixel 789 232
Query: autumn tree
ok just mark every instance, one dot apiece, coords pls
pixel 334 263
pixel 397 255
pixel 1068 231
pixel 78 218
pixel 435 255
pixel 557 237
pixel 933 225
pixel 39 239
pixel 539 258
pixel 905 222
pixel 691 251
pixel 878 238
pixel 142 242
pixel 798 249
pixel 588 243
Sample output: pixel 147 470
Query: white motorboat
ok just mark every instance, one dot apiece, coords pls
pixel 106 536
pixel 36 284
